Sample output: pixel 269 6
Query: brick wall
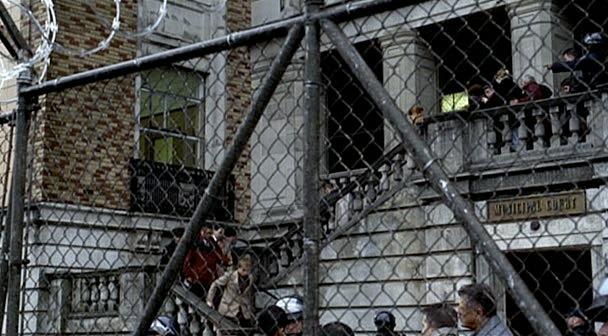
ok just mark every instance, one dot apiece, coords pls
pixel 238 72
pixel 84 136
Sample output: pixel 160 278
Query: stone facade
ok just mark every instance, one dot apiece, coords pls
pixel 412 252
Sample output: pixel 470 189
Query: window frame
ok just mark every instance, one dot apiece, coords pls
pixel 165 132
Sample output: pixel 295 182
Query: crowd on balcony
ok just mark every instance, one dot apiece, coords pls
pixel 586 71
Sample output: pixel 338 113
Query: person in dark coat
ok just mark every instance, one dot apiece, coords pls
pixel 272 321
pixel 168 249
pixel 505 88
pixel 590 65
pixel 475 93
pixel 490 98
pixel 578 324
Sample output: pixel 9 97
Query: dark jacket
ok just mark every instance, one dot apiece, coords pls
pixel 582 330
pixel 591 67
pixel 506 90
pixel 168 252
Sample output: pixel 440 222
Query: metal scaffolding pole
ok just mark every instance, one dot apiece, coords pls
pixel 437 177
pixel 205 206
pixel 311 222
pixel 17 205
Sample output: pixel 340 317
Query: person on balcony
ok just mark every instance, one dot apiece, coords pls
pixel 533 90
pixel 439 320
pixel 477 311
pixel 591 65
pixel 476 94
pixel 237 299
pixel 505 88
pixel 417 116
pixel 490 99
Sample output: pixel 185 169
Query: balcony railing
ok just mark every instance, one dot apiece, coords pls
pixel 96 301
pixel 160 188
pixel 545 130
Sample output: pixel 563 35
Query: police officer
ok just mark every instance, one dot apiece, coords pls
pixel 163 326
pixel 293 305
pixel 385 323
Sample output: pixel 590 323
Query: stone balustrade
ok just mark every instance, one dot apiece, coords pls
pixel 352 191
pixel 279 254
pixel 544 130
pixel 191 322
pixel 95 293
pixel 105 301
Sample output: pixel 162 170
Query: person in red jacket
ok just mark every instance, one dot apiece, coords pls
pixel 533 90
pixel 202 263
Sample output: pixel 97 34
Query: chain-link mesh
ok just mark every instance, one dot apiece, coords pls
pixel 509 97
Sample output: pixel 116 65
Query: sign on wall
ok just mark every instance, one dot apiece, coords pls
pixel 533 207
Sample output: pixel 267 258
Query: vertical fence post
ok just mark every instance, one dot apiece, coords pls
pixel 17 204
pixel 311 223
pixel 6 235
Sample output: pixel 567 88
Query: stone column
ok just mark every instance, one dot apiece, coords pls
pixel 410 75
pixel 276 145
pixel 538 35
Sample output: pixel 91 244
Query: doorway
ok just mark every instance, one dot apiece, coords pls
pixel 559 279
pixel 355 127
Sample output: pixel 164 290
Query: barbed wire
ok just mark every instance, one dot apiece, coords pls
pixel 9 69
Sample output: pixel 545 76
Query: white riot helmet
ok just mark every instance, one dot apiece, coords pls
pixel 163 326
pixel 594 39
pixel 293 305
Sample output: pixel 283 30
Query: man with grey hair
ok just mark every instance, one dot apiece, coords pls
pixel 477 311
pixel 533 90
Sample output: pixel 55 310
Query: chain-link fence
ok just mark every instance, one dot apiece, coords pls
pixel 399 167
